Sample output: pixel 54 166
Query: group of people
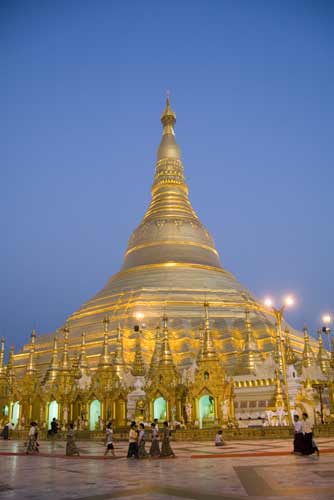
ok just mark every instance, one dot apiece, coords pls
pixel 137 441
pixel 303 443
pixel 32 445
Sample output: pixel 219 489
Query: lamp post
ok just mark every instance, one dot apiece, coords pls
pixel 327 319
pixel 278 313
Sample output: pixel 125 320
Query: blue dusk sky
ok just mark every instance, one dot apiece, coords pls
pixel 82 87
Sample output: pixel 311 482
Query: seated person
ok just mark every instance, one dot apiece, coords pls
pixel 219 439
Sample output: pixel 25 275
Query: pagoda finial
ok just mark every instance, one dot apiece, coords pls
pixel 166 354
pixel 83 363
pixel 2 356
pixel 65 361
pixel 323 357
pixel 168 148
pixel 51 374
pixel 138 368
pixel 10 366
pixel 250 343
pixel 279 400
pixel 156 356
pixel 105 360
pixel 209 351
pixel 168 117
pixel 201 342
pixel 250 355
pixel 308 356
pixel 290 356
pixel 31 362
pixel 119 354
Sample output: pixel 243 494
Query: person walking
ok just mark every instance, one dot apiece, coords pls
pixel 155 448
pixel 142 453
pixel 5 431
pixel 166 450
pixel 32 445
pixel 109 440
pixel 53 432
pixel 71 447
pixel 133 441
pixel 298 435
pixel 309 447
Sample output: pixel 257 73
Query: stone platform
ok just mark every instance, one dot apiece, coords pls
pixel 240 470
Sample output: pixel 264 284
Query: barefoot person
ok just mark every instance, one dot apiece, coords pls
pixel 155 448
pixel 109 440
pixel 133 441
pixel 142 453
pixel 309 447
pixel 166 450
pixel 32 445
pixel 298 435
pixel 71 447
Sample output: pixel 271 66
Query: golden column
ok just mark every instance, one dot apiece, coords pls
pixel 278 313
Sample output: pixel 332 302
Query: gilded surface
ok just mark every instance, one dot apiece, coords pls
pixel 171 267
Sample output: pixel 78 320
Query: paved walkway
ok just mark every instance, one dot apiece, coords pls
pixel 240 470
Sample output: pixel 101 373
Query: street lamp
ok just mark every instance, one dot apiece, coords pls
pixel 327 319
pixel 278 313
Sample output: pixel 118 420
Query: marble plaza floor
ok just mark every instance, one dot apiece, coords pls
pixel 239 470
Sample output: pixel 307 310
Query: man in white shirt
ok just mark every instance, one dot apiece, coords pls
pixel 298 437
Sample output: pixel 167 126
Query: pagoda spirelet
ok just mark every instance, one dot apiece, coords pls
pixel 98 367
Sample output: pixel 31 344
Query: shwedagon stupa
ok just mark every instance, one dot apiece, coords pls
pixel 171 268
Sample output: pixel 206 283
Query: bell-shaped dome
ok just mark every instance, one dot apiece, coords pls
pixel 170 231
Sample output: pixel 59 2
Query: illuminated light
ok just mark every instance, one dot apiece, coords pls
pixel 139 315
pixel 289 300
pixel 327 318
pixel 268 302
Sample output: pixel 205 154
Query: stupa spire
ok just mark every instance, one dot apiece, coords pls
pixel 289 353
pixel 138 368
pixel 308 356
pixel 119 362
pixel 65 361
pixel 166 357
pixel 201 342
pixel 2 356
pixel 53 369
pixel 170 231
pixel 31 362
pixel 105 360
pixel 83 363
pixel 10 366
pixel 168 118
pixel 323 357
pixel 279 399
pixel 119 355
pixel 250 355
pixel 156 356
pixel 209 350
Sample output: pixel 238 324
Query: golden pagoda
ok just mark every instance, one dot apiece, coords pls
pixel 101 366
